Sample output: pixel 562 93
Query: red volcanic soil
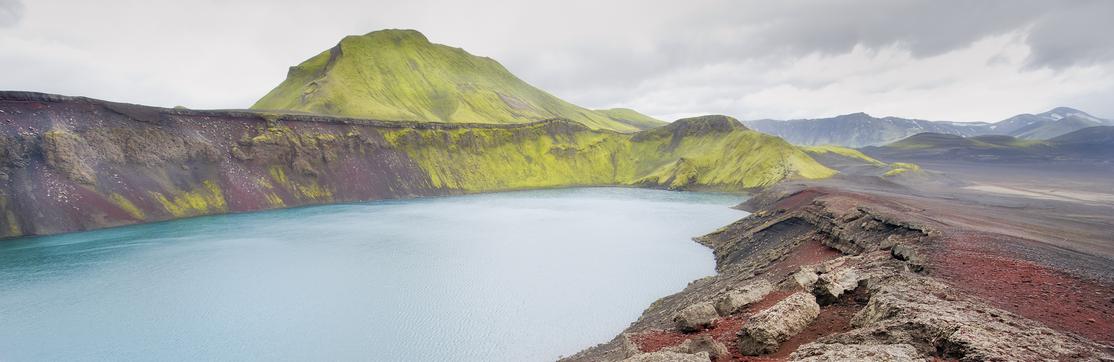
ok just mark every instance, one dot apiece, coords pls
pixel 807 253
pixel 798 199
pixel 1057 299
pixel 833 319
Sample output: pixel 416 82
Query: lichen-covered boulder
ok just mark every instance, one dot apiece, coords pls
pixel 838 352
pixel 667 356
pixel 766 330
pixel 701 344
pixel 696 317
pixel 734 301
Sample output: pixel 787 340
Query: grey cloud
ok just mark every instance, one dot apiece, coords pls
pixel 11 11
pixel 662 57
pixel 1060 35
pixel 1078 35
pixel 925 28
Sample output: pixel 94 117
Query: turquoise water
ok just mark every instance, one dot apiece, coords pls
pixel 516 276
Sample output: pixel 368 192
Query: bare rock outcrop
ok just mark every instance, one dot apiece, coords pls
pixel 736 300
pixel 830 286
pixel 696 317
pixel 702 344
pixel 67 153
pixel 837 352
pixel 764 332
pixel 921 312
pixel 666 356
pixel 805 277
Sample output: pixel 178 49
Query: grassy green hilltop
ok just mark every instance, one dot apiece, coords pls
pixel 400 75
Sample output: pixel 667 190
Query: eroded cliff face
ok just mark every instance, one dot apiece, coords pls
pixel 74 164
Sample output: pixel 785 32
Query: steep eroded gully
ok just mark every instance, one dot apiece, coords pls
pixel 892 282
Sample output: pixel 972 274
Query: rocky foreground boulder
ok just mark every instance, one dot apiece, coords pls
pixel 856 352
pixel 702 344
pixel 696 317
pixel 765 331
pixel 736 300
pixel 665 356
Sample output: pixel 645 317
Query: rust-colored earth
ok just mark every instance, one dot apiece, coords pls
pixel 1058 299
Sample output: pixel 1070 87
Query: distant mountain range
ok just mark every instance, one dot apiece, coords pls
pixel 861 129
pixel 1092 143
pixel 1047 125
pixel 400 75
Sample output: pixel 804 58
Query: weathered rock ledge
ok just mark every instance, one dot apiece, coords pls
pixel 855 276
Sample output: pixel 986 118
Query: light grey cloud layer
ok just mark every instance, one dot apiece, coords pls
pixel 957 60
pixel 10 12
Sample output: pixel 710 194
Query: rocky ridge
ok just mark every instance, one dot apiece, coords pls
pixel 863 277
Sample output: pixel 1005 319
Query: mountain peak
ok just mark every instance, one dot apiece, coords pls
pixel 408 34
pixel 398 74
pixel 694 126
pixel 1059 113
pixel 713 121
pixel 1064 110
pixel 396 36
pixel 856 115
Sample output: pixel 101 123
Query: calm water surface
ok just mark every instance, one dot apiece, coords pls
pixel 516 276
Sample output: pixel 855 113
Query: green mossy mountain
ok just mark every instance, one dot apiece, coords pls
pixel 400 75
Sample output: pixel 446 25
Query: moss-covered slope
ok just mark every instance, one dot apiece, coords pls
pixel 843 152
pixel 712 152
pixel 400 75
pixel 77 164
pixel 631 117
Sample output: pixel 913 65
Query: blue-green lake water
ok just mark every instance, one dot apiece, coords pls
pixel 517 276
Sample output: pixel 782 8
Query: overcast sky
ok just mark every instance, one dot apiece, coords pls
pixel 941 60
